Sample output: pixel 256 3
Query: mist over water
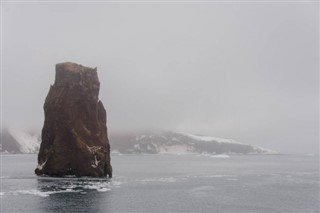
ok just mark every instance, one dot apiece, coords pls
pixel 247 71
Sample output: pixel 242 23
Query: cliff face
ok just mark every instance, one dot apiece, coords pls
pixel 74 135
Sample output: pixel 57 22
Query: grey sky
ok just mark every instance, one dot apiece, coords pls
pixel 247 71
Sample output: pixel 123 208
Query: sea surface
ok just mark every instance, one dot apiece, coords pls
pixel 168 183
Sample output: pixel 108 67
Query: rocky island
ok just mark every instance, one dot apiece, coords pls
pixel 74 139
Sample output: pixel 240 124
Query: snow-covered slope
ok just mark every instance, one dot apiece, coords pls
pixel 19 141
pixel 29 143
pixel 181 143
pixel 210 139
pixel 257 149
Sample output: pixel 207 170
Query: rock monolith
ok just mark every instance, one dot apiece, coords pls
pixel 74 138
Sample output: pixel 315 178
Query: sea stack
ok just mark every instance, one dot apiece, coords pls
pixel 74 135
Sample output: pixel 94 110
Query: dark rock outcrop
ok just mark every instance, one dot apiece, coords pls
pixel 74 135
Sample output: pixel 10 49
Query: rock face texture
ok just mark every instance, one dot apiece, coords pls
pixel 74 135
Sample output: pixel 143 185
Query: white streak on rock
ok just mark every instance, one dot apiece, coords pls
pixel 93 149
pixel 40 166
pixel 96 162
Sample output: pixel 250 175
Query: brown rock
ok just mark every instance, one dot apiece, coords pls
pixel 74 134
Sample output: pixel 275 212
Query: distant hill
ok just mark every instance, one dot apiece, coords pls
pixel 16 141
pixel 180 143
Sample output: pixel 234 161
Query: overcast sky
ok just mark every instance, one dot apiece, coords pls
pixel 246 71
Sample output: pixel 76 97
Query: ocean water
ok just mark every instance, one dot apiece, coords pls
pixel 169 183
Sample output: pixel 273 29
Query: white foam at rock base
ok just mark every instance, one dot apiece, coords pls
pixel 41 193
pixel 103 189
pixel 100 186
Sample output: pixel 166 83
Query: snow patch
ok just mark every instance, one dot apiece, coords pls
pixel 28 143
pixel 264 150
pixel 257 149
pixel 214 155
